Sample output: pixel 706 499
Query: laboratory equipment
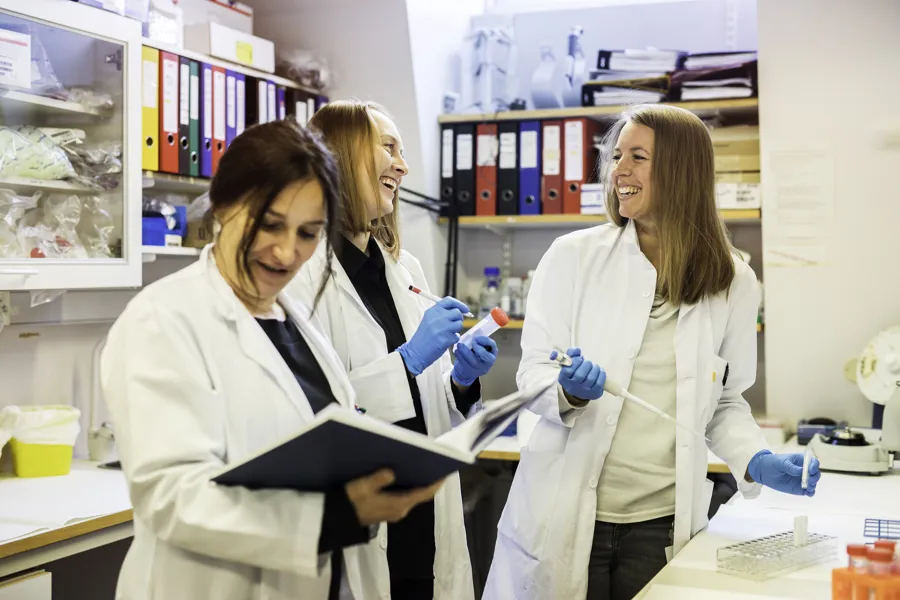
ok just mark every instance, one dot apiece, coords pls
pixel 856 558
pixel 526 288
pixel 489 297
pixel 575 68
pixel 514 293
pixel 877 375
pixel 883 529
pixel 434 298
pixel 807 428
pixel 615 389
pixel 486 326
pixel 544 93
pixel 774 555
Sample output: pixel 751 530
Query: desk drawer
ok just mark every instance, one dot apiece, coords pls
pixel 33 586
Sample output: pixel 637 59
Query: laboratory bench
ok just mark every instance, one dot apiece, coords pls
pixel 67 533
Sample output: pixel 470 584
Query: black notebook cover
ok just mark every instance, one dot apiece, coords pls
pixel 332 454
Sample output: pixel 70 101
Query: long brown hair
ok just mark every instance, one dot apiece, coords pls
pixel 696 255
pixel 349 131
pixel 257 166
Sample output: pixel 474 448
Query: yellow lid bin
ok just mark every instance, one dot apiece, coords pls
pixel 40 460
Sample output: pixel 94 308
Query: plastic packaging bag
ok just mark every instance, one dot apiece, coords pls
pixel 305 68
pixel 96 226
pixel 51 232
pixel 51 424
pixel 12 208
pixel 26 151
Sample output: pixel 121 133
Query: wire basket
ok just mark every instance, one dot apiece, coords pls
pixel 774 555
pixel 882 529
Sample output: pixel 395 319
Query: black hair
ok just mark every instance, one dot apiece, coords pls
pixel 258 165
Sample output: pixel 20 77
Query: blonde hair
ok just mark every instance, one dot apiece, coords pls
pixel 349 131
pixel 696 255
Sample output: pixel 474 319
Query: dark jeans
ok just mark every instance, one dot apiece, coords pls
pixel 624 558
pixel 412 589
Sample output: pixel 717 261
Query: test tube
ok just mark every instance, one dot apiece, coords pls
pixel 801 523
pixel 486 326
pixel 858 558
pixel 807 459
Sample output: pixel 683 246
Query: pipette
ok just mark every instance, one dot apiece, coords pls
pixel 617 390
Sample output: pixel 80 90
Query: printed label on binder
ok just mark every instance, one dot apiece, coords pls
pixel 447 154
pixel 529 158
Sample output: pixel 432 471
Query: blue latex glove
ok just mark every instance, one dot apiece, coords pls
pixel 472 363
pixel 438 331
pixel 782 472
pixel 582 379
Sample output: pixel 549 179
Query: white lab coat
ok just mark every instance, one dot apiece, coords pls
pixel 380 381
pixel 594 290
pixel 193 384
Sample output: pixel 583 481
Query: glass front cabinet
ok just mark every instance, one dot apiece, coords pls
pixel 70 147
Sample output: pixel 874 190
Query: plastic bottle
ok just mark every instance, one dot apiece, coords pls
pixel 490 291
pixel 486 326
pixel 514 290
pixel 858 558
pixel 525 290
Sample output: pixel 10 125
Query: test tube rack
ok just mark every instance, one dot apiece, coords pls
pixel 882 529
pixel 847 584
pixel 774 555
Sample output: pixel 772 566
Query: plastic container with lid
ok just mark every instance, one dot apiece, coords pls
pixel 881 561
pixel 486 326
pixel 890 546
pixel 858 555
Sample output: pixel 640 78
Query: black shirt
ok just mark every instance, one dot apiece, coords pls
pixel 340 526
pixel 410 541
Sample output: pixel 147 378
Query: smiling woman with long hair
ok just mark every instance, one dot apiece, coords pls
pixel 394 343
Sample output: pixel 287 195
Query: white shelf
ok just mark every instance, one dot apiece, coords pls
pixel 54 185
pixel 40 106
pixel 165 182
pixel 152 252
pixel 236 67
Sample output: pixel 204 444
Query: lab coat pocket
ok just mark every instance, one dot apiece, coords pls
pixel 382 389
pixel 700 510
pixel 529 512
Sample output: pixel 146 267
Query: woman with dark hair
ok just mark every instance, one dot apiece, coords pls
pixel 213 364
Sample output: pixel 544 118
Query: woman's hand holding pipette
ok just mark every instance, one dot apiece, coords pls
pixel 582 379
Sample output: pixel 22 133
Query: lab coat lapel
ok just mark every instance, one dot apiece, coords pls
pixel 254 341
pixel 325 356
pixel 399 279
pixel 343 283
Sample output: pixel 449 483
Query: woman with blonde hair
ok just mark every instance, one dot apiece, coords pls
pixel 394 343
pixel 605 490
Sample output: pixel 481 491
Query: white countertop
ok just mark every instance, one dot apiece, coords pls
pixel 34 505
pixel 839 508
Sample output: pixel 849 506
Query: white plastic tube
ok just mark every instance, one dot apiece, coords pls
pixel 487 326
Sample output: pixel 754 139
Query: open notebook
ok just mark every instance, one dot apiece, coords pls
pixel 339 445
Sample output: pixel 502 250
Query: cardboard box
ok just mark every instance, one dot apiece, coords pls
pixel 232 45
pixel 237 16
pixel 731 196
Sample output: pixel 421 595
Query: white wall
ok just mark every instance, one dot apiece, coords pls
pixel 397 53
pixel 828 83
